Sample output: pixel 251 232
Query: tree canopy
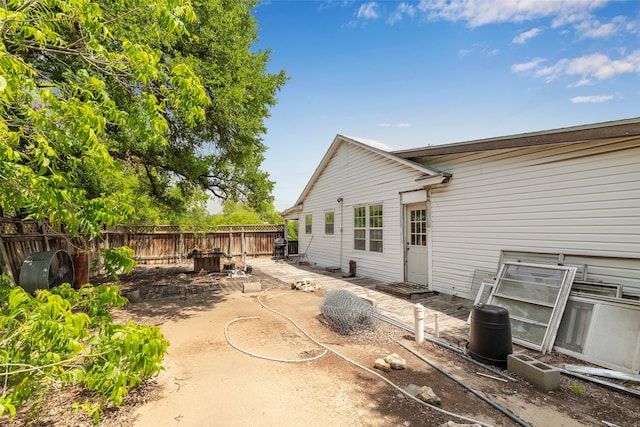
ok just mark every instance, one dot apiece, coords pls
pixel 113 111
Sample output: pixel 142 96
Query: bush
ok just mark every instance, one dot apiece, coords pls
pixel 62 337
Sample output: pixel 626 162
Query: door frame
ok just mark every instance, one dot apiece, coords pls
pixel 409 198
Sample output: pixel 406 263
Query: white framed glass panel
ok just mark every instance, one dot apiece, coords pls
pixel 601 330
pixel 535 296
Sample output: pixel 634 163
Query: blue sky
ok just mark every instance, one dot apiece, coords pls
pixel 418 73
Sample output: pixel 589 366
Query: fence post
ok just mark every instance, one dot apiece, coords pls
pixel 243 248
pixel 4 262
pixel 181 246
pixel 44 237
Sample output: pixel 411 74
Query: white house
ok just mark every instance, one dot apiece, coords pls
pixel 447 216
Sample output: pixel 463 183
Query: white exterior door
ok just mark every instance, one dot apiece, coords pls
pixel 416 243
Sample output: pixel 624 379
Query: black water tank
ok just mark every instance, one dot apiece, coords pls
pixel 490 335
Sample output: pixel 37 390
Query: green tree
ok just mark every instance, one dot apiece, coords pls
pixel 121 111
pixel 236 213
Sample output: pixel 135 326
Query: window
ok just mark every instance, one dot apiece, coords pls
pixel 367 221
pixel 307 224
pixel 375 228
pixel 328 222
pixel 360 228
pixel 418 227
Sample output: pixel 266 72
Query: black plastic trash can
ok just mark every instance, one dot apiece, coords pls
pixel 490 335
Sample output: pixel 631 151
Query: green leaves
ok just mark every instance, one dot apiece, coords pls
pixel 72 85
pixel 125 355
pixel 123 111
pixel 63 337
pixel 117 261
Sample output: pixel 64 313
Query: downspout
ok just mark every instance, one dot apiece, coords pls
pixel 429 242
pixel 341 230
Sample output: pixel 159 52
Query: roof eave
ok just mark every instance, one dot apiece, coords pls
pixel 617 129
pixel 341 138
pixel 429 180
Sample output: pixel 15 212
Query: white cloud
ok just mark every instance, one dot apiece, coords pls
pixel 522 38
pixel 594 99
pixel 594 29
pixel 527 66
pixel 482 12
pixel 552 72
pixel 368 11
pixel 602 67
pixel 481 48
pixel 588 67
pixel 403 9
pixel 584 81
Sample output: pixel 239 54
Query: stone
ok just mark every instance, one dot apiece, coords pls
pixel 413 389
pixel 133 295
pixel 382 365
pixel 396 361
pixel 427 395
pixel 251 287
pixel 306 285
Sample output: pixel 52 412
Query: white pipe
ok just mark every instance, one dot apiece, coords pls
pixel 436 326
pixel 418 314
pixel 398 388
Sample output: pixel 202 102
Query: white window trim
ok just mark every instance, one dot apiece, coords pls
pixel 306 231
pixel 333 232
pixel 367 227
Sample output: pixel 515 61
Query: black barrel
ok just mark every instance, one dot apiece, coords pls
pixel 490 335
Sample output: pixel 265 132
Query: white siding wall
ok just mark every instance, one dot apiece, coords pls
pixel 360 177
pixel 580 199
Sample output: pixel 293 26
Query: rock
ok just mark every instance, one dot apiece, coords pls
pixel 396 362
pixel 382 365
pixel 427 395
pixel 133 295
pixel 413 389
pixel 306 285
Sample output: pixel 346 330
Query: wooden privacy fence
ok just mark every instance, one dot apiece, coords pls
pixel 172 244
pixel 151 244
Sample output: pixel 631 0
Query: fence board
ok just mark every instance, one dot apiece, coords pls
pixel 151 244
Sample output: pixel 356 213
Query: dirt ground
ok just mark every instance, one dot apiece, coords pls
pixel 256 359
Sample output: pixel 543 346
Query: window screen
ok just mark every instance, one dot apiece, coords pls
pixel 328 222
pixel 307 224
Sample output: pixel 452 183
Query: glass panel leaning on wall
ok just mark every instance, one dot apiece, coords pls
pixel 535 296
